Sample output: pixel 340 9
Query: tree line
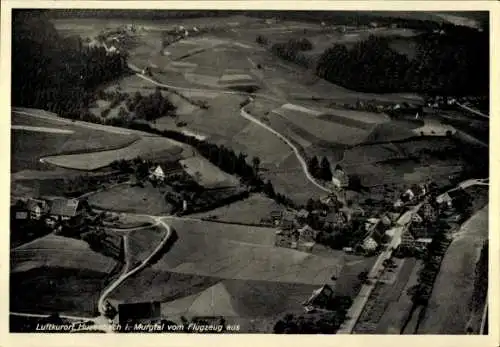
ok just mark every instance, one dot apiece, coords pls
pixel 322 171
pixel 445 64
pixel 453 62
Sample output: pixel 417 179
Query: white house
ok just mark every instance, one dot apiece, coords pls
pixel 157 174
pixel 369 244
pixel 409 193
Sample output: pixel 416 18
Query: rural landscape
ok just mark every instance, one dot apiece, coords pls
pixel 278 172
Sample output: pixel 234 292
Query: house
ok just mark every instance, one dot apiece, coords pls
pixel 416 218
pixel 36 208
pixel 21 215
pixel 428 212
pixel 445 200
pixel 303 214
pixel 340 179
pixel 369 244
pixel 423 242
pixel 134 312
pixel 276 216
pixel 386 221
pixel 409 195
pixel 65 209
pixel 319 297
pixel 157 174
pixel 306 232
pixel 407 239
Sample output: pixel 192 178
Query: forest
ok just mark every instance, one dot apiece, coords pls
pixel 450 60
pixel 454 63
pixel 55 73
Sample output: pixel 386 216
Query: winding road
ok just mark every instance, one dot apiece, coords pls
pixel 252 119
pixel 102 321
pixel 112 286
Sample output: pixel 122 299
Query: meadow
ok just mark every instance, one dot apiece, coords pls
pixel 134 199
pixel 67 274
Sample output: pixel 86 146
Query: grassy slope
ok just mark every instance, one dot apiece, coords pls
pixel 63 275
pixel 449 309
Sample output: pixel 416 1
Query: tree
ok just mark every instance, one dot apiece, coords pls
pixel 313 166
pixel 269 189
pixel 325 169
pixel 255 164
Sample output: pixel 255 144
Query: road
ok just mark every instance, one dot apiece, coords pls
pixel 112 286
pixel 476 112
pixel 102 321
pixel 247 116
pixel 301 159
pixel 364 294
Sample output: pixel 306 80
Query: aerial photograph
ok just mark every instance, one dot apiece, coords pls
pixel 250 171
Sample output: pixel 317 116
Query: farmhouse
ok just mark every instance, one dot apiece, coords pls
pixel 65 209
pixel 369 244
pixel 36 208
pixel 445 200
pixel 340 179
pixel 157 174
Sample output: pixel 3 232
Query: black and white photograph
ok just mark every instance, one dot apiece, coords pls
pixel 220 171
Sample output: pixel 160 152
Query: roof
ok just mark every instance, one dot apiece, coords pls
pixel 276 213
pixel 64 207
pixel 303 213
pixel 424 240
pixel 32 204
pixel 443 198
pixel 158 171
pixel 369 243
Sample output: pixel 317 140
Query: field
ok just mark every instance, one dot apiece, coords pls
pixel 29 146
pixel 450 304
pixel 141 242
pixel 221 269
pixel 249 211
pixel 385 294
pixel 241 252
pixel 397 311
pixel 67 275
pixel 207 174
pixel 148 147
pixel 134 199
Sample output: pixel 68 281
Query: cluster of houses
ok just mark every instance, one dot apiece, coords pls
pixel 411 195
pixel 55 212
